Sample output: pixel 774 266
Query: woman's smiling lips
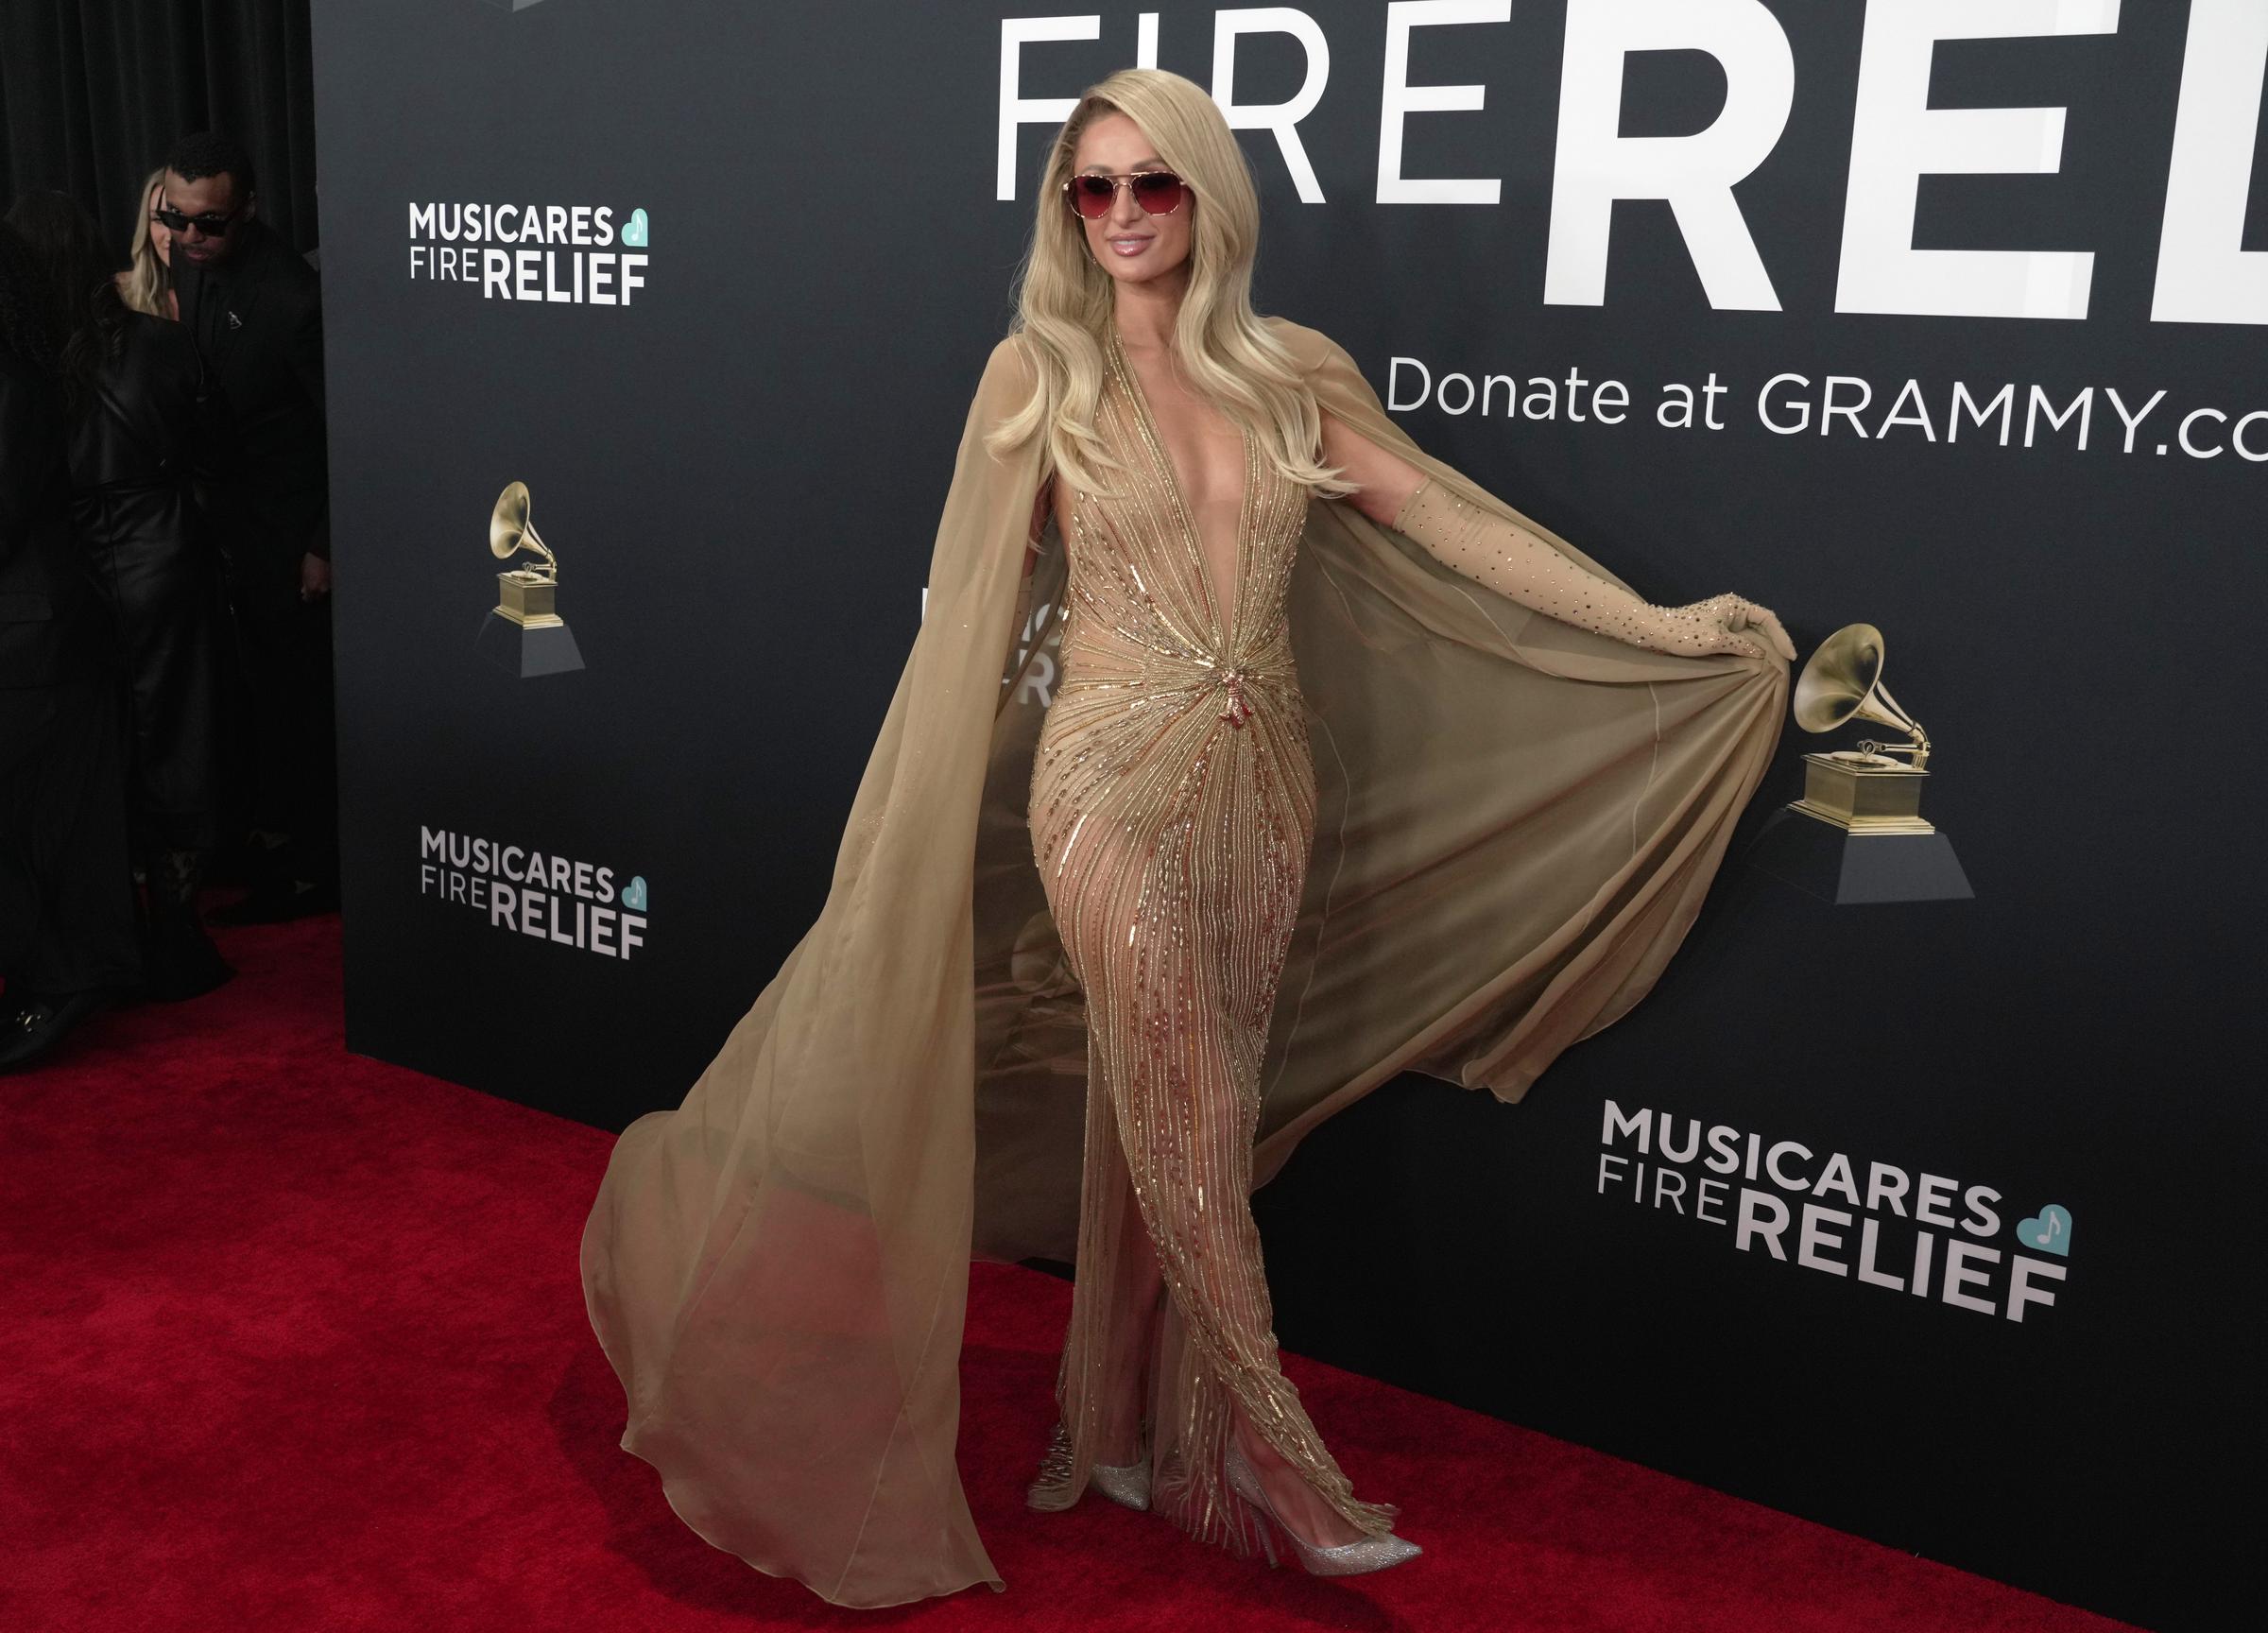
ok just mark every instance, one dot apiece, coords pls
pixel 1129 245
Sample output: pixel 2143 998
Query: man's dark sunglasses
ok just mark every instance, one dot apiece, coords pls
pixel 213 224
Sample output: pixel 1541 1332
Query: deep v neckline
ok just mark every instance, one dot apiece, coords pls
pixel 1163 457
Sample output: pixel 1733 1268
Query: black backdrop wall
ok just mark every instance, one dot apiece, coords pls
pixel 771 242
pixel 93 91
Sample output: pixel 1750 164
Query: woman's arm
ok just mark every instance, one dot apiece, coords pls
pixel 1388 479
pixel 1513 562
pixel 1040 501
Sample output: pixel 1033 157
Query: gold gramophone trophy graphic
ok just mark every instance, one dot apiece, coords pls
pixel 1860 790
pixel 524 632
pixel 1864 837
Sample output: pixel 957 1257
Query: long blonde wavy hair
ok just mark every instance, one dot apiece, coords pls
pixel 144 283
pixel 1064 301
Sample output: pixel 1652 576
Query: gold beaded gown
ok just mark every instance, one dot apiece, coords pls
pixel 1173 808
pixel 1129 836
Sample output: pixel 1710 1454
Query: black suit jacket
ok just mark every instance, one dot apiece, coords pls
pixel 53 625
pixel 258 320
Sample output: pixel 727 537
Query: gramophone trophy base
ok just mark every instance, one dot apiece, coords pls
pixel 529 650
pixel 1848 867
pixel 528 599
pixel 1861 794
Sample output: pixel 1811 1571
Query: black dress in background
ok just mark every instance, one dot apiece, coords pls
pixel 136 455
pixel 66 893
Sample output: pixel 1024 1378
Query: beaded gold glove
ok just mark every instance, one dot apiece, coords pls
pixel 1513 561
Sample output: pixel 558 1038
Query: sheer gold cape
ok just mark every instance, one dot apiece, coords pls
pixel 1517 820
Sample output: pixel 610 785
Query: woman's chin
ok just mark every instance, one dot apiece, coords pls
pixel 1139 270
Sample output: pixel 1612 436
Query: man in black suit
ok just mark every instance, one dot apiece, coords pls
pixel 67 936
pixel 254 308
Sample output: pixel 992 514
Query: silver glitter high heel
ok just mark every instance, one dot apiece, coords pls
pixel 1348 1559
pixel 1127 1485
pixel 1049 1491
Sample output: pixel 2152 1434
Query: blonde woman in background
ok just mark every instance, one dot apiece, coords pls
pixel 146 284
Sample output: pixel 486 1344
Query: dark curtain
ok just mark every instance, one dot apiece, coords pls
pixel 93 93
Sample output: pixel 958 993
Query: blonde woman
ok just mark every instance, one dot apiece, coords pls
pixel 1528 777
pixel 146 284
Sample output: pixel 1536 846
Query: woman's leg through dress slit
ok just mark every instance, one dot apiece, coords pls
pixel 1175 882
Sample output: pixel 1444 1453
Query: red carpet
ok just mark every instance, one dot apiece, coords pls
pixel 290 1339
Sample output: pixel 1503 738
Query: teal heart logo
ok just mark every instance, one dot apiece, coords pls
pixel 634 894
pixel 2050 1231
pixel 634 231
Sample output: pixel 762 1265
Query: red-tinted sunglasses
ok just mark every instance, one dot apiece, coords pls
pixel 1159 192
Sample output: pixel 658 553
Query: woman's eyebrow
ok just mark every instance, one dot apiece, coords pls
pixel 1150 164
